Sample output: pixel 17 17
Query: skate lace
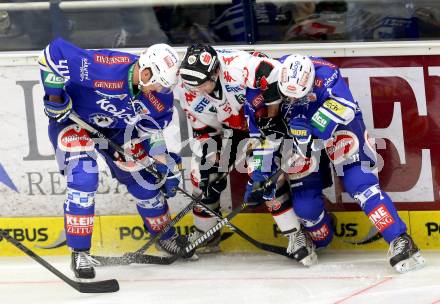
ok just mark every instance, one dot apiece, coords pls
pixel 170 244
pixel 397 247
pixel 194 236
pixel 296 241
pixel 84 260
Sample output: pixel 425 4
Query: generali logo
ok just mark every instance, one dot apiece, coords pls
pixel 157 104
pixel 108 85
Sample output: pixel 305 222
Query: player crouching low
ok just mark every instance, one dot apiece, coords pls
pixel 321 109
pixel 212 92
pixel 112 91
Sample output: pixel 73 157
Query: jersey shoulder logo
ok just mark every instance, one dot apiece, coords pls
pixel 52 81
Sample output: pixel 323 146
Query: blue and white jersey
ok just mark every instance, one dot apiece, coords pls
pixel 99 83
pixel 329 104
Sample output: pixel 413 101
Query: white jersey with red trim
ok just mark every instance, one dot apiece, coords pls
pixel 240 70
pixel 224 107
pixel 207 116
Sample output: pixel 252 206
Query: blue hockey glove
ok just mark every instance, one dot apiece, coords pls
pixel 172 172
pixel 58 111
pixel 255 197
pixel 301 132
pixel 171 185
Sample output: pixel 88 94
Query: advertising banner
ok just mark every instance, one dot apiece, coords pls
pixel 398 95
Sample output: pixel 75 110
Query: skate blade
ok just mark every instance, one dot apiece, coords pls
pixel 193 258
pixel 310 260
pixel 415 262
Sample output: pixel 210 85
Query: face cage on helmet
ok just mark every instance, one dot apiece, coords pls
pixel 213 77
pixel 153 80
pixel 210 75
pixel 285 98
pixel 292 100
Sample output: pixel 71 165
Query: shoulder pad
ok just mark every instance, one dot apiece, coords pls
pixel 337 111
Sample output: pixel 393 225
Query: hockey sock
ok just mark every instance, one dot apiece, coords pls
pixel 79 211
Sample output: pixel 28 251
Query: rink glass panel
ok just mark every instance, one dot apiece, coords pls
pixel 222 22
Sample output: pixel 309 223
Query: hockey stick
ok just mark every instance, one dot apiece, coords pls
pixel 263 246
pixel 225 221
pixel 136 256
pixel 129 258
pixel 84 287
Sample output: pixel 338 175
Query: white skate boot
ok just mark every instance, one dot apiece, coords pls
pixel 301 248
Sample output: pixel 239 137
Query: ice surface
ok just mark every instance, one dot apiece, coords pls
pixel 341 277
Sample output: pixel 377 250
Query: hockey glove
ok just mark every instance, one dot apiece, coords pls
pixel 212 189
pixel 257 197
pixel 301 132
pixel 171 185
pixel 216 187
pixel 173 175
pixel 272 125
pixel 56 110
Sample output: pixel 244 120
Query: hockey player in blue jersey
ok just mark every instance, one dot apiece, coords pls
pixel 129 99
pixel 308 175
pixel 321 113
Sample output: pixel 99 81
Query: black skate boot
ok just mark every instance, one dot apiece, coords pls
pixel 175 245
pixel 212 245
pixel 301 248
pixel 404 254
pixel 82 264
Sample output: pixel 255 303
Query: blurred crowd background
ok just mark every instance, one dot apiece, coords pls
pixel 30 25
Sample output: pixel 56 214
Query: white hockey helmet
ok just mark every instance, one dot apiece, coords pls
pixel 163 61
pixel 296 76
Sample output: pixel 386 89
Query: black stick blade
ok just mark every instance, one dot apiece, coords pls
pixel 133 258
pixel 98 287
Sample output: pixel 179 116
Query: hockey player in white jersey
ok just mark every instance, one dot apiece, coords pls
pixel 212 91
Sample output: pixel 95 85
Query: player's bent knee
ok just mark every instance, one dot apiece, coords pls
pixel 82 179
pixel 156 202
pixel 142 193
pixel 308 204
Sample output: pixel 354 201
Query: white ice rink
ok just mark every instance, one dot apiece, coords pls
pixel 361 277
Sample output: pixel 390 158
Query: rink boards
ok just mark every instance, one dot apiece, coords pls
pixel 121 234
pixel 397 85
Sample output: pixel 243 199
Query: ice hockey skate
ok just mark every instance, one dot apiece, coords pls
pixel 210 246
pixel 404 254
pixel 301 248
pixel 82 264
pixel 176 244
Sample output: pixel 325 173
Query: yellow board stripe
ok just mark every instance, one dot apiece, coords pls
pixel 120 234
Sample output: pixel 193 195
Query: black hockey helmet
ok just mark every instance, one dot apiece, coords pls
pixel 199 64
